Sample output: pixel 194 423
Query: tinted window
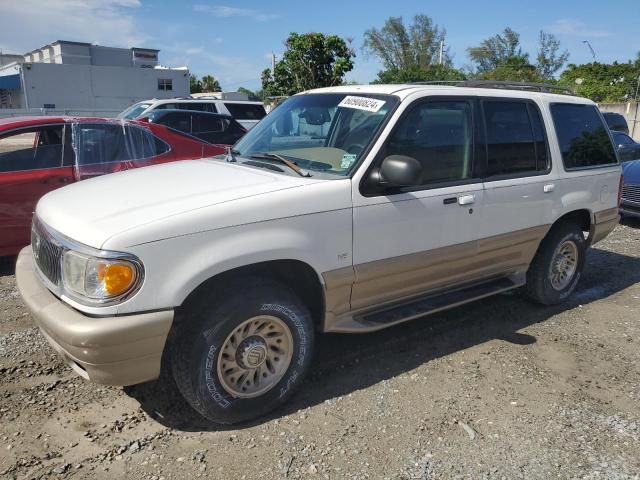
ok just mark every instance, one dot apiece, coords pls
pixel 207 123
pixel 440 136
pixel 615 121
pixel 108 143
pixel 246 111
pixel 177 121
pixel 166 106
pixel 31 149
pixel 621 138
pixel 583 137
pixel 515 139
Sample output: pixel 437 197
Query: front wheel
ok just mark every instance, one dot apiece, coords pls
pixel 246 353
pixel 557 266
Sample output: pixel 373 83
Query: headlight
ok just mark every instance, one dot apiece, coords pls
pixel 100 279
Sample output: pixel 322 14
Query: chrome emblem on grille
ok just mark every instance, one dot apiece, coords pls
pixel 36 245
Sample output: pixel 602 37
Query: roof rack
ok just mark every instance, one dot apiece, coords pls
pixel 525 86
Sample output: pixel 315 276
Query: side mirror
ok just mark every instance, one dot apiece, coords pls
pixel 400 171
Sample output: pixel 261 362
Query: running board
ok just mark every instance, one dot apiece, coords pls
pixel 418 307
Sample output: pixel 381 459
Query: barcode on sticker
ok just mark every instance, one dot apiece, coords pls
pixel 362 103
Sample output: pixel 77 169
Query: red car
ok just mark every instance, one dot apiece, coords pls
pixel 40 154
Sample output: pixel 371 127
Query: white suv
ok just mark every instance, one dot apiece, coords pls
pixel 347 209
pixel 247 113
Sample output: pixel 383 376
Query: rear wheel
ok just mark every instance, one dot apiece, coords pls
pixel 557 266
pixel 245 352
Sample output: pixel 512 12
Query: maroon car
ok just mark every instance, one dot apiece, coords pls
pixel 40 154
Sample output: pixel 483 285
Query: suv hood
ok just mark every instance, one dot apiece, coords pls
pixel 93 210
pixel 631 171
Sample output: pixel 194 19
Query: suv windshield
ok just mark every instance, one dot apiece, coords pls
pixel 134 111
pixel 325 132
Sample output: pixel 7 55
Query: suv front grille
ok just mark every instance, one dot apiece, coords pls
pixel 631 193
pixel 46 252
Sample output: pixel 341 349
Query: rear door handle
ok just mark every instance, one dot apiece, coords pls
pixel 549 187
pixel 466 199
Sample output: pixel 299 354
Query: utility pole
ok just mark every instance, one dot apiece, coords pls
pixel 590 48
pixel 273 63
pixel 441 51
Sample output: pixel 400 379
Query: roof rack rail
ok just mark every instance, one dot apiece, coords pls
pixel 525 86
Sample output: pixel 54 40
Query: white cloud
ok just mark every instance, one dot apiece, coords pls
pixel 576 28
pixel 30 24
pixel 194 51
pixel 224 11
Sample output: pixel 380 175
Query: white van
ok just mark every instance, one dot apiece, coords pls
pixel 245 112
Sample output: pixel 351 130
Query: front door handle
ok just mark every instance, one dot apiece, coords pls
pixel 466 199
pixel 549 187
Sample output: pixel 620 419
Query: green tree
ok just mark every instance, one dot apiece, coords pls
pixel 251 94
pixel 549 59
pixel 401 48
pixel 210 84
pixel 513 69
pixel 495 51
pixel 416 73
pixel 195 85
pixel 601 82
pixel 410 54
pixel 311 60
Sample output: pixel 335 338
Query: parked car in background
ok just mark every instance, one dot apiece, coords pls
pixel 40 154
pixel 628 148
pixel 630 201
pixel 246 112
pixel 616 122
pixel 211 127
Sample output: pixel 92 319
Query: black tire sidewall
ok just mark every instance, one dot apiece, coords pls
pixel 206 393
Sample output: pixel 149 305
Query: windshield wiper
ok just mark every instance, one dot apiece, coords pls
pixel 281 159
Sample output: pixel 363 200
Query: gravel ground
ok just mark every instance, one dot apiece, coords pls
pixel 497 389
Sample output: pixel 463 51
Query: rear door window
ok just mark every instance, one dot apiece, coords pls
pixel 583 136
pixel 31 149
pixel 207 124
pixel 110 143
pixel 246 111
pixel 516 145
pixel 180 121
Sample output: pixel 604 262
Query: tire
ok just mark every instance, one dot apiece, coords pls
pixel 252 329
pixel 544 284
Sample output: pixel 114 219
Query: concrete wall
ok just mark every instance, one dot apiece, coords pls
pixel 90 87
pixel 631 111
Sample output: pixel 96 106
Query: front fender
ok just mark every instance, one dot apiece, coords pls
pixel 175 267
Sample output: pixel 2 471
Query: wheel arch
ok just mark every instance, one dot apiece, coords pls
pixel 297 275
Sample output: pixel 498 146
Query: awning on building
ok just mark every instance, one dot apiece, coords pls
pixel 10 82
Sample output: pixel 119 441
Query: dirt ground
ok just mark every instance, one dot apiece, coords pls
pixel 497 389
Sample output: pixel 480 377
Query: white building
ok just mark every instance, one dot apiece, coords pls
pixel 76 76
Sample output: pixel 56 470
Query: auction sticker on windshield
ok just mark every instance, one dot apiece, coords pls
pixel 362 103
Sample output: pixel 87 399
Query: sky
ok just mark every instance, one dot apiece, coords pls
pixel 233 40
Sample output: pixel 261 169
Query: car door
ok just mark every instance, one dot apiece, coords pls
pixel 30 166
pixel 411 240
pixel 519 184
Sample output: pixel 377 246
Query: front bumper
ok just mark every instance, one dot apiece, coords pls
pixel 118 350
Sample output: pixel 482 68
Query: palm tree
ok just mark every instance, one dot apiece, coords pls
pixel 210 84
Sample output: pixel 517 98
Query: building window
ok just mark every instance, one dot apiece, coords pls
pixel 165 84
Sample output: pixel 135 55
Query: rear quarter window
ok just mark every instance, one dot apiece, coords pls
pixel 583 136
pixel 246 111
